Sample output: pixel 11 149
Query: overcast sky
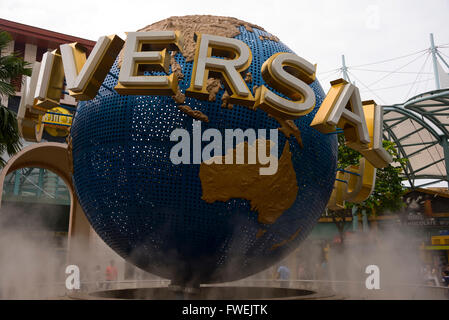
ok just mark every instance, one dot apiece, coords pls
pixel 319 31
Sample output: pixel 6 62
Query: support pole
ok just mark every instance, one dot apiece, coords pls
pixel 433 50
pixel 56 187
pixel 365 221
pixel 355 219
pixel 344 69
pixel 41 182
pixel 445 146
pixel 441 58
pixel 17 174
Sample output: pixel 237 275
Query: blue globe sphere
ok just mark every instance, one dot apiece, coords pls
pixel 151 212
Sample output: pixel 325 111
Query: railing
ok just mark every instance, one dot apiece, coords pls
pixel 337 289
pixel 340 289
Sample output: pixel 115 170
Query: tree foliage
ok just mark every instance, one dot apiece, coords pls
pixel 12 66
pixel 388 190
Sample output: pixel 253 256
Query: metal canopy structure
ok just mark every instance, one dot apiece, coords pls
pixel 434 105
pixel 419 128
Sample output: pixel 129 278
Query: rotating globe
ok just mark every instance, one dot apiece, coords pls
pixel 163 217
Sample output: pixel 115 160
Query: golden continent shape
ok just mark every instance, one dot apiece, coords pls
pixel 269 195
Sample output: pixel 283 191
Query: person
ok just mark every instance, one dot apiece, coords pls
pixel 429 276
pixel 301 272
pixel 445 279
pixel 97 277
pixel 111 274
pixel 304 275
pixel 284 276
pixel 445 282
pixel 433 277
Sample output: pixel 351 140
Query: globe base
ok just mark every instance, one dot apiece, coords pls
pixel 208 293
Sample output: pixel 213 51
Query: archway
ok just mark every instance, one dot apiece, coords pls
pixel 54 157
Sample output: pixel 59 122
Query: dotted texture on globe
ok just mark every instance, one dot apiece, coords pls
pixel 152 212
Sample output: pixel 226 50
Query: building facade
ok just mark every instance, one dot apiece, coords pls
pixel 31 43
pixel 36 194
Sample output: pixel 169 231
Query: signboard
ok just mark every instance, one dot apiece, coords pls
pixel 57 122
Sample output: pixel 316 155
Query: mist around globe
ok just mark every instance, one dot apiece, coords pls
pixel 192 223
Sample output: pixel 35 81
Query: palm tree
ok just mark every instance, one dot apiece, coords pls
pixel 11 67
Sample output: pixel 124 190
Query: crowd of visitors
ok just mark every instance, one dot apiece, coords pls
pixel 105 280
pixel 435 275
